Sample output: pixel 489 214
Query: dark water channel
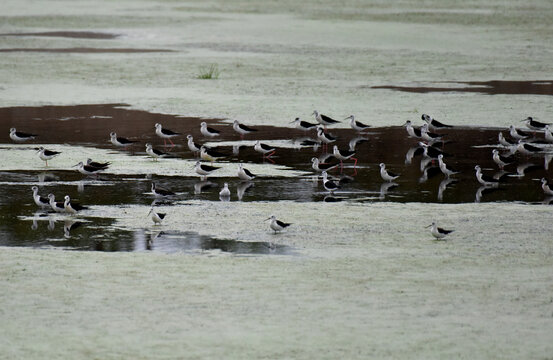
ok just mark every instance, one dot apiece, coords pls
pixel 89 125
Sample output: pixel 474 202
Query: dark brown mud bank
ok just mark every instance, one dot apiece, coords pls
pixel 420 180
pixel 493 87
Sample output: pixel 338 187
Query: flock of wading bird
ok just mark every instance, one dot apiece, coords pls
pixel 431 144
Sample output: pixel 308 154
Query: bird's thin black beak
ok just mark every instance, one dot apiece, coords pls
pixel 267 219
pixel 426 227
pixel 75 165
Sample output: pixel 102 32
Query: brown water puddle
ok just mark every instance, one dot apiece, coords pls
pixel 84 50
pixel 67 34
pixel 493 87
pixel 90 125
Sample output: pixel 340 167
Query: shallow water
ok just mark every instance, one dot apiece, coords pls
pixel 287 176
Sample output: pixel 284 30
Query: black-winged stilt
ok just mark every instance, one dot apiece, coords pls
pixel 194 147
pixel 120 141
pixel 446 169
pixel 155 154
pixel 165 134
pixel 242 129
pixel 303 125
pixel 161 192
pixel 40 201
pixel 56 206
pixel 98 165
pixel 208 131
pixel 438 232
pixel 501 160
pixel 204 170
pixel 357 125
pixel 72 207
pixel 485 179
pixel 387 175
pixel 277 225
pixel 244 174
pixel 46 155
pixel 534 124
pixel 433 123
pixel 19 136
pixel 156 217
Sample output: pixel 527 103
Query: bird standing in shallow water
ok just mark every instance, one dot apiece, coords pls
pixel 517 134
pixel 156 217
pixel 40 201
pixel 56 206
pixel 242 129
pixel 98 165
pixel 165 134
pixel 194 147
pixel 161 192
pixel 46 155
pixel 88 169
pixel 356 125
pixel 19 136
pixel 324 120
pixel 318 166
pixel 527 149
pixel 438 232
pixel 501 160
pixel 204 170
pixel 225 192
pixel 545 187
pixel 303 125
pixel 344 155
pixel 277 225
pixel 326 138
pixel 264 149
pixel 329 185
pixel 244 174
pixel 70 207
pixel 446 170
pixel 120 141
pixel 386 175
pixel 505 142
pixel 155 154
pixel 429 136
pixel 533 124
pixel 484 179
pixel 207 131
pixel 548 134
pixel 210 154
pixel 434 124
pixel 412 131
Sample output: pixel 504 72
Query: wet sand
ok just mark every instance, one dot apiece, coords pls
pixel 365 278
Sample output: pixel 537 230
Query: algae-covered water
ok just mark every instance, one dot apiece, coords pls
pixel 356 275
